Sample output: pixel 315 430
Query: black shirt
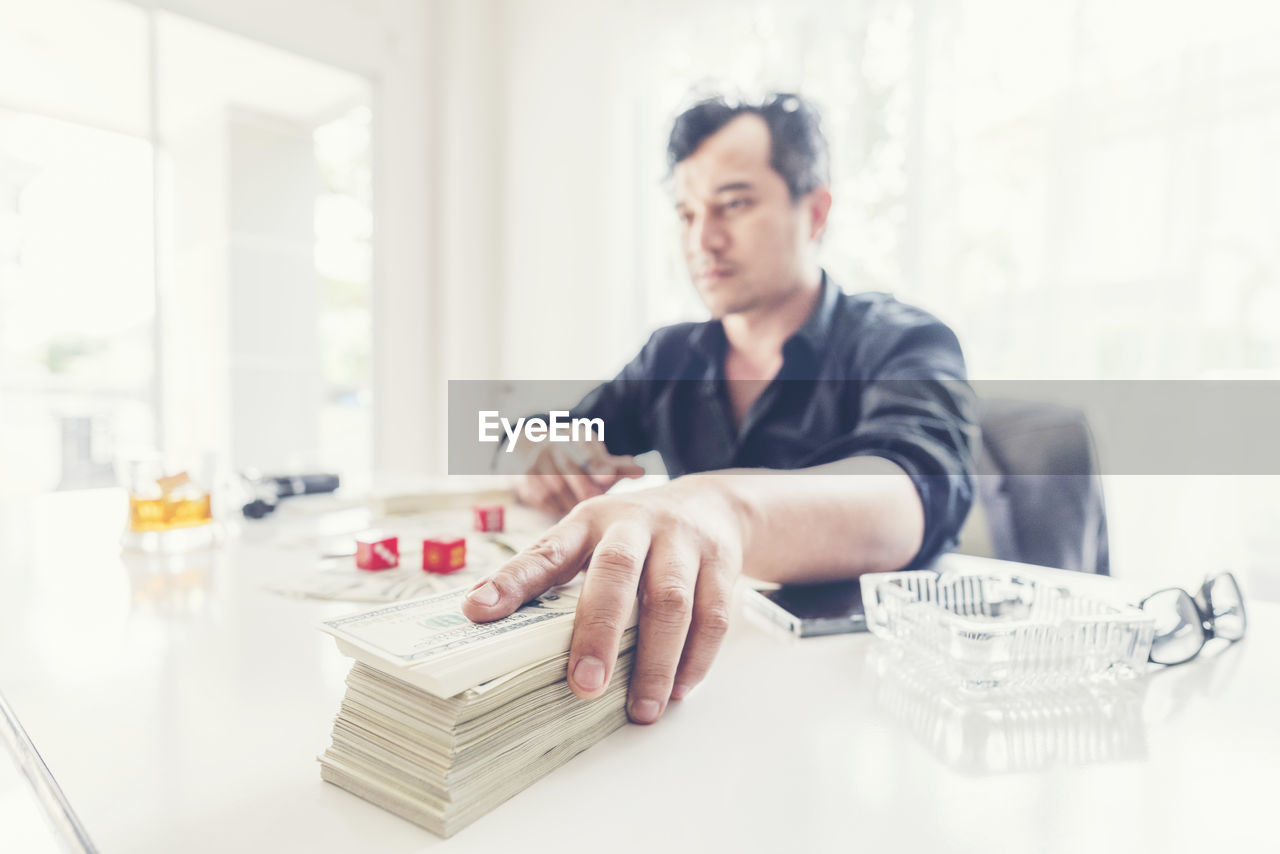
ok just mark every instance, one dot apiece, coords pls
pixel 865 375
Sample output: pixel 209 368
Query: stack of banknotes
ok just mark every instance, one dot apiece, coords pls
pixel 444 719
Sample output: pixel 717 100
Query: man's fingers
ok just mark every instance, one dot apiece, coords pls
pixel 559 495
pixel 540 491
pixel 666 606
pixel 575 479
pixel 554 559
pixel 712 600
pixel 607 598
pixel 553 472
pixel 543 488
pixel 530 491
pixel 608 470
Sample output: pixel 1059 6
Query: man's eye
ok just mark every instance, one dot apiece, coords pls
pixel 736 204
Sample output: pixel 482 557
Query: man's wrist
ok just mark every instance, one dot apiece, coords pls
pixel 738 508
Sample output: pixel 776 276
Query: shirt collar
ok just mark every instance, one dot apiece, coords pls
pixel 708 341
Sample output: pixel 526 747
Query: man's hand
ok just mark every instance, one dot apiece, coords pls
pixel 562 475
pixel 677 547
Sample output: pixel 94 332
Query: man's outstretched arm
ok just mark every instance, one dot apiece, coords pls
pixel 679 548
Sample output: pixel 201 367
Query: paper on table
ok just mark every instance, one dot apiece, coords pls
pixel 338 578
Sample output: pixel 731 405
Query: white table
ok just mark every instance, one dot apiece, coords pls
pixel 181 709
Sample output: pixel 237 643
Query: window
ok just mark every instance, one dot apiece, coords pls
pixel 185 248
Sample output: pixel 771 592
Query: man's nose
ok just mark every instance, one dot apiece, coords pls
pixel 709 235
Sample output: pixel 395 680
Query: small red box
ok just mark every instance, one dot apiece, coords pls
pixel 374 551
pixel 444 555
pixel 489 517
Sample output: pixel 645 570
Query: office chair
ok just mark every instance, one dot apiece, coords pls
pixel 1039 494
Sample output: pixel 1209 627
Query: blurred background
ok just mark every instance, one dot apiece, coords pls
pixel 274 230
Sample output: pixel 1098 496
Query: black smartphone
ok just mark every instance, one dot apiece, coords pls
pixel 808 610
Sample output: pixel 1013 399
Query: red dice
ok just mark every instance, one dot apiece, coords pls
pixel 376 551
pixel 489 517
pixel 444 555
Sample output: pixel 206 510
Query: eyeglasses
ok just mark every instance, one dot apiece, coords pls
pixel 1185 623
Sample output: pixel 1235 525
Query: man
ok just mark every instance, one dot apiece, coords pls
pixel 861 399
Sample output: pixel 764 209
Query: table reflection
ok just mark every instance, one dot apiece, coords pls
pixel 170 585
pixel 997 733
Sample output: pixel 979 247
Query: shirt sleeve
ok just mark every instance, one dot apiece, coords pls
pixel 913 406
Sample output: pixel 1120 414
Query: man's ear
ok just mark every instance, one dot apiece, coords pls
pixel 818 203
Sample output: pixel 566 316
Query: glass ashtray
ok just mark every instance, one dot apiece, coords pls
pixel 1007 630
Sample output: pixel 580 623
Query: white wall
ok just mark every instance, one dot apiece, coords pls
pixel 273 293
pixel 571 290
pixel 469 63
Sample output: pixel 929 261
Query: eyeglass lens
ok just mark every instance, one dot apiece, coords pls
pixel 1179 632
pixel 1225 606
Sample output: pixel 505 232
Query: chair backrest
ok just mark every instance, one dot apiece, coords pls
pixel 1039 486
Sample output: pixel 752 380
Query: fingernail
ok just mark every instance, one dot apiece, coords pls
pixel 680 691
pixel 589 673
pixel 486 595
pixel 644 711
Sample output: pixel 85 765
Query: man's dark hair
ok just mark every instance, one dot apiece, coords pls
pixel 797 148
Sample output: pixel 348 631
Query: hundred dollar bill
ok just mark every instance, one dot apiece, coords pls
pixel 428 642
pixel 411 633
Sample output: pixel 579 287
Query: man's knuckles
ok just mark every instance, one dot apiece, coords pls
pixel 617 562
pixel 667 601
pixel 652 679
pixel 549 552
pixel 599 629
pixel 711 621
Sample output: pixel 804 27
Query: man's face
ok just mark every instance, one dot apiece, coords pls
pixel 745 241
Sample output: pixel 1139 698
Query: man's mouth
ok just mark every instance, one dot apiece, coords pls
pixel 713 274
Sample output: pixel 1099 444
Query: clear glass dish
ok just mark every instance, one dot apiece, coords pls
pixel 1007 630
